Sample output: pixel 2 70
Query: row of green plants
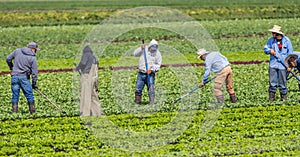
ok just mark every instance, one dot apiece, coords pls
pixel 66 13
pixel 117 4
pixel 61 44
pixel 259 131
pixel 76 34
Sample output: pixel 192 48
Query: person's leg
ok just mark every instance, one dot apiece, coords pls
pixel 27 90
pixel 282 84
pixel 140 83
pixel 15 88
pixel 273 81
pixel 218 83
pixel 85 97
pixel 229 84
pixel 95 106
pixel 151 88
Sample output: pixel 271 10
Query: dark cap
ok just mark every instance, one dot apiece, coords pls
pixel 33 45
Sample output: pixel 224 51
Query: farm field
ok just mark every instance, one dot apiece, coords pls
pixel 195 126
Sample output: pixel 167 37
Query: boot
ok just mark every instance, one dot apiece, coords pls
pixel 282 96
pixel 220 99
pixel 151 100
pixel 15 107
pixel 271 96
pixel 31 107
pixel 138 99
pixel 233 98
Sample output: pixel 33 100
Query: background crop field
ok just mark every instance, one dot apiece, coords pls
pixel 251 127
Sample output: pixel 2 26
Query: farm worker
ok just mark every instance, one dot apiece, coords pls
pixel 154 60
pixel 280 46
pixel 293 61
pixel 24 65
pixel 89 101
pixel 217 63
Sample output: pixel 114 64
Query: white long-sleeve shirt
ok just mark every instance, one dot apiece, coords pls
pixel 153 59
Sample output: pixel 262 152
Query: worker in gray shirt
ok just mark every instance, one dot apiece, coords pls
pixel 24 65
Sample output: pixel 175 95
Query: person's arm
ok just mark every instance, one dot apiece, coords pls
pixel 268 47
pixel 289 47
pixel 34 70
pixel 157 63
pixel 138 52
pixel 82 63
pixel 206 73
pixel 9 59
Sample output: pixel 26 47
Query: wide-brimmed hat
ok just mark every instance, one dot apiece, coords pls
pixel 201 52
pixel 33 45
pixel 276 29
pixel 288 57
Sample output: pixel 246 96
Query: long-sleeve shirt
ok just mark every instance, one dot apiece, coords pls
pixel 153 59
pixel 287 49
pixel 214 62
pixel 24 63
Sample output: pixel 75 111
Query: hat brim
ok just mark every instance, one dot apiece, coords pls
pixel 275 31
pixel 288 57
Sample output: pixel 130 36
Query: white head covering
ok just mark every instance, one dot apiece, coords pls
pixel 153 42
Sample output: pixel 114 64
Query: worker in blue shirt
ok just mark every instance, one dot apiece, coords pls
pixel 280 46
pixel 218 64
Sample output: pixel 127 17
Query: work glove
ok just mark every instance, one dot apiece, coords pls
pixel 149 72
pixel 34 86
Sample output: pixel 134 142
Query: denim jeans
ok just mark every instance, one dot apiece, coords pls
pixel 22 82
pixel 142 80
pixel 277 78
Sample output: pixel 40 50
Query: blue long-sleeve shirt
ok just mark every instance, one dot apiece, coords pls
pixel 214 62
pixel 287 49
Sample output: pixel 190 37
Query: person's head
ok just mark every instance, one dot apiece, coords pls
pixel 153 46
pixel 276 32
pixel 292 61
pixel 33 46
pixel 87 49
pixel 202 53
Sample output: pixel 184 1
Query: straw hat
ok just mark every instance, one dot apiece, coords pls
pixel 276 29
pixel 201 52
pixel 288 57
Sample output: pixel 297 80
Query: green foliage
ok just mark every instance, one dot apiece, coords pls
pixel 239 131
pixel 253 126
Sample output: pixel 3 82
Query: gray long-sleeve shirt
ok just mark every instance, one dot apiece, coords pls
pixel 24 63
pixel 153 59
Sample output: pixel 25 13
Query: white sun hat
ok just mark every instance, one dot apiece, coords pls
pixel 201 52
pixel 276 29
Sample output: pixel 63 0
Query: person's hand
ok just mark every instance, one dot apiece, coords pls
pixel 201 84
pixel 288 69
pixel 272 52
pixel 149 71
pixel 143 46
pixel 34 86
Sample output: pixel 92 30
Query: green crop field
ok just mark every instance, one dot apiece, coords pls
pixel 196 125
